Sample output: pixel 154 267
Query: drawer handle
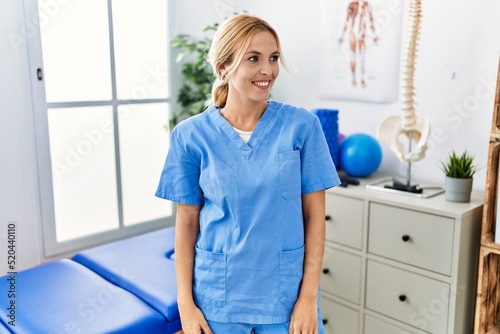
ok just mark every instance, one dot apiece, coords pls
pixel 405 238
pixel 328 217
pixel 326 271
pixel 402 298
pixel 325 321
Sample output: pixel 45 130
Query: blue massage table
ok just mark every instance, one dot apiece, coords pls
pixel 127 286
pixel 66 297
pixel 142 265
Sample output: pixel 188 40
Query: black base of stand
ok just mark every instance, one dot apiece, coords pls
pixel 396 185
pixel 346 180
pixel 391 185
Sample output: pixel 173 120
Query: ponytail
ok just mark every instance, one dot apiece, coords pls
pixel 220 91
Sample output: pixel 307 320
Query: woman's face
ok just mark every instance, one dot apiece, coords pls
pixel 255 75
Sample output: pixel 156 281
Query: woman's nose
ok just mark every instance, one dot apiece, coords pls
pixel 266 68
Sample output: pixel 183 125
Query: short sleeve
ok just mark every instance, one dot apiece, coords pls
pixel 317 167
pixel 179 180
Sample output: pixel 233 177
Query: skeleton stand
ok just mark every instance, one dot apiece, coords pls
pixel 397 185
pixel 393 185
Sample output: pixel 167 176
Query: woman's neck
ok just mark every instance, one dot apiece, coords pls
pixel 243 117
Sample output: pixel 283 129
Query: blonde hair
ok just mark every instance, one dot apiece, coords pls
pixel 231 39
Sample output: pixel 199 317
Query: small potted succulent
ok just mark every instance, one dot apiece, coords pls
pixel 459 170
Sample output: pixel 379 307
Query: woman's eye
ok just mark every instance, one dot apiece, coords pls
pixel 272 58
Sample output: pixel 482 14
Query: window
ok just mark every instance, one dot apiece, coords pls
pixel 101 112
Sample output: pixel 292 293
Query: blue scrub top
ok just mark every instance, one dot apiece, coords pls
pixel 250 250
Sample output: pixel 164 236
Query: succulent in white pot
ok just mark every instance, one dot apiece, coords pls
pixel 459 170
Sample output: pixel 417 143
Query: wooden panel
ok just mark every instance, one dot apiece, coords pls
pixel 487 317
pixel 490 195
pixel 480 301
pixel 487 307
pixel 491 295
pixel 494 330
pixel 496 114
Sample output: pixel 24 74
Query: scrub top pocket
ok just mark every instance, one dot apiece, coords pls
pixel 289 174
pixel 290 275
pixel 210 277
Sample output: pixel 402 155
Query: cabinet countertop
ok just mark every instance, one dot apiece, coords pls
pixel 436 205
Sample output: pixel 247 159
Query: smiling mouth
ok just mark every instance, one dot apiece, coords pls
pixel 262 84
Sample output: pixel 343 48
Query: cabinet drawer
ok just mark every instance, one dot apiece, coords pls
pixel 413 299
pixel 339 319
pixel 377 326
pixel 344 220
pixel 341 274
pixel 412 237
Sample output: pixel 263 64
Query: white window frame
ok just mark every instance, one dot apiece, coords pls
pixel 40 115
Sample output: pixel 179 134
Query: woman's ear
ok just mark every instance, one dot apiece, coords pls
pixel 223 71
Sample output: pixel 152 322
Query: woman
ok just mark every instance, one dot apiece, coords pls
pixel 248 177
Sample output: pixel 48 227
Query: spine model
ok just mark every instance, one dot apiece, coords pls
pixel 416 130
pixel 409 118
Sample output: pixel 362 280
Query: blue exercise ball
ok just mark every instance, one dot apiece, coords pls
pixel 359 155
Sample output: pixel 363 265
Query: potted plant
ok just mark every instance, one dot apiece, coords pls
pixel 195 92
pixel 196 88
pixel 459 170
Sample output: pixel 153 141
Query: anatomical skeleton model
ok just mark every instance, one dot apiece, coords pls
pixel 408 125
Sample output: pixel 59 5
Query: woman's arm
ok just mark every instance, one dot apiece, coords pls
pixel 187 228
pixel 305 312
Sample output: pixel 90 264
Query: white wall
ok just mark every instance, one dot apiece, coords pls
pixel 456 34
pixel 19 200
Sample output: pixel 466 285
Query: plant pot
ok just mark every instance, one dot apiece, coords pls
pixel 457 190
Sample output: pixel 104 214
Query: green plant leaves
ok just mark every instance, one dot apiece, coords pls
pixel 459 165
pixel 195 92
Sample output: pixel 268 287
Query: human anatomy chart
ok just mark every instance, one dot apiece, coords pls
pixel 362 49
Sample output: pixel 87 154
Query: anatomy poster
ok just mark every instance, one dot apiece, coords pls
pixel 363 49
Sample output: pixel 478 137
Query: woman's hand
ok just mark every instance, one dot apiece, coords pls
pixel 193 321
pixel 304 316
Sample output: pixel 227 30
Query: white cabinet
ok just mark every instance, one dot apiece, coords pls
pixel 419 239
pixel 339 318
pixel 399 264
pixel 344 284
pixel 344 217
pixel 411 298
